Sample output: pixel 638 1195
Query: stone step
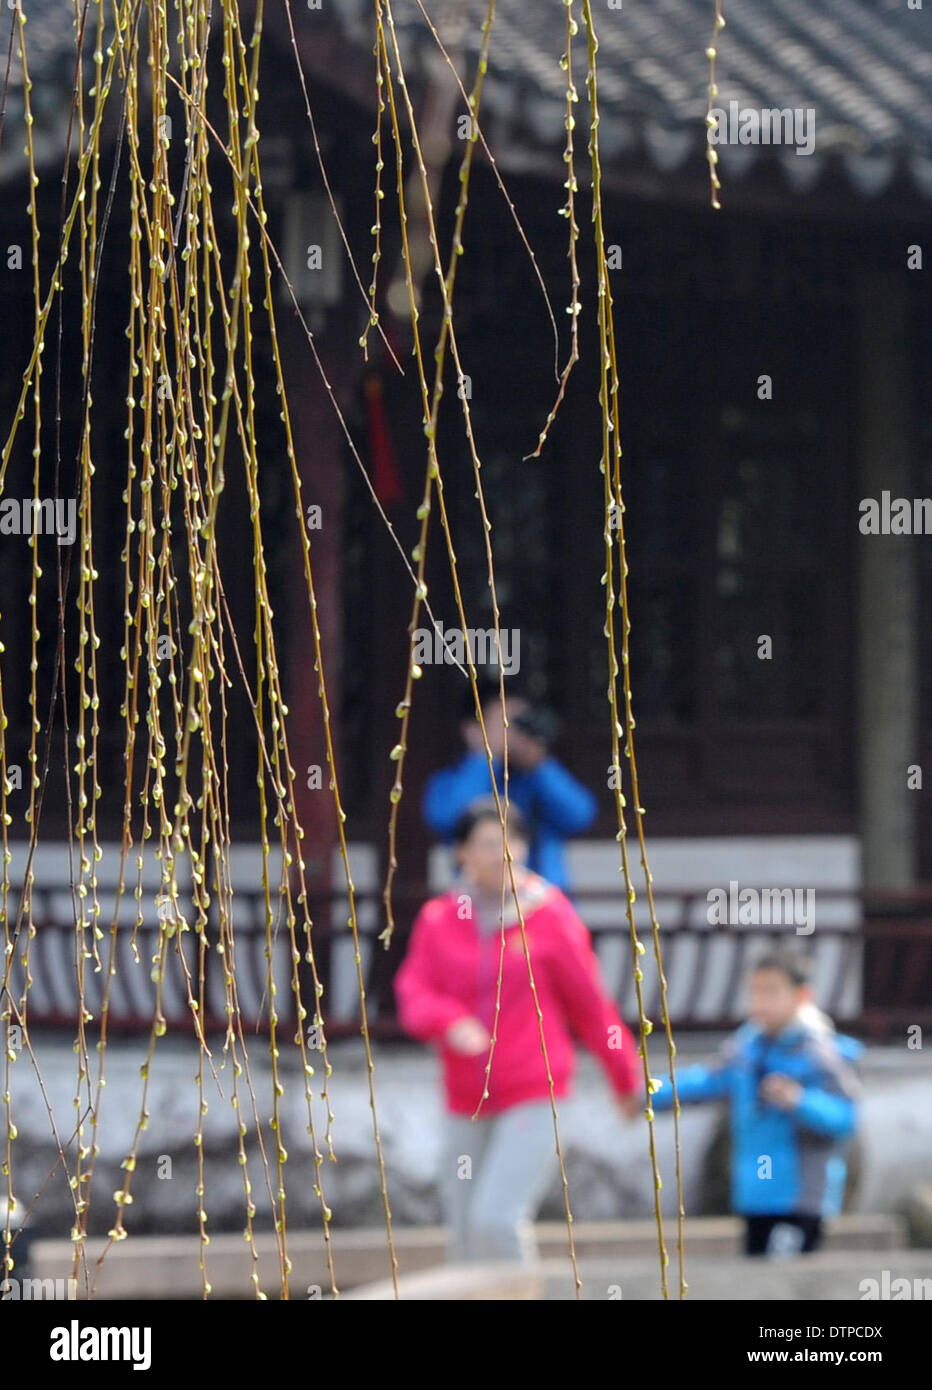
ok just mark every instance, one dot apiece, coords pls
pixel 843 1275
pixel 168 1266
pixel 861 1275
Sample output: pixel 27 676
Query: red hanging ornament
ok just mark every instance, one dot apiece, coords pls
pixel 386 478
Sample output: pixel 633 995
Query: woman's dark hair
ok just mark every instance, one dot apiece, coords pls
pixel 485 809
pixel 796 967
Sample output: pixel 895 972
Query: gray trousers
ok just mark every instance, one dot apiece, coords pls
pixel 495 1173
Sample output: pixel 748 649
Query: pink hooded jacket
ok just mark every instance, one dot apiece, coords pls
pixel 451 971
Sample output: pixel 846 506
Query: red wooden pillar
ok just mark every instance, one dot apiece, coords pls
pixel 319 446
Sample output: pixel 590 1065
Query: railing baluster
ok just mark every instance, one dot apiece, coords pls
pixel 882 941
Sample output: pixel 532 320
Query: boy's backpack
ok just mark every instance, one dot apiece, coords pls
pixel 852 1050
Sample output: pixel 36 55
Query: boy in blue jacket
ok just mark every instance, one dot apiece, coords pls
pixel 793 1101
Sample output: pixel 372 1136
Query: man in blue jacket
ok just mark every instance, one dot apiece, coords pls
pixel 555 805
pixel 793 1103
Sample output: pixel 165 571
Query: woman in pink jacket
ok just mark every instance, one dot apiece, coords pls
pixel 496 1170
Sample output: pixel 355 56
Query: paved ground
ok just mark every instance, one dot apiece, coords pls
pixel 607 1165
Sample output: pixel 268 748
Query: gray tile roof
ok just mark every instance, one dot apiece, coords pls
pixel 864 67
pixel 50 53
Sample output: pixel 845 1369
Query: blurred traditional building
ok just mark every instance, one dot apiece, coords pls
pixel 742 507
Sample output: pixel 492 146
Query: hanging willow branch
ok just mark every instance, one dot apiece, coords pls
pixel 192 416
